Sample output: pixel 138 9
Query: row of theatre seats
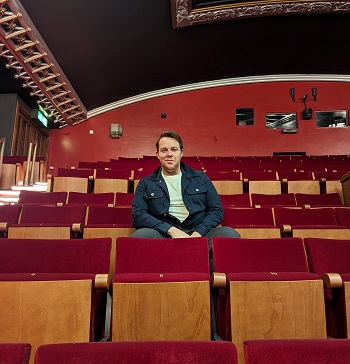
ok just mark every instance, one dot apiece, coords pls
pixel 226 182
pixel 76 215
pixel 233 163
pixel 59 291
pixel 182 352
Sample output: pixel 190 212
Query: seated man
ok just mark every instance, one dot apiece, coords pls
pixel 176 201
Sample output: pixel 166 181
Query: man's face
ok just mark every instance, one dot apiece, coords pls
pixel 169 155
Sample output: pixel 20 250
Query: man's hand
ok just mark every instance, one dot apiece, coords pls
pixel 195 235
pixel 174 232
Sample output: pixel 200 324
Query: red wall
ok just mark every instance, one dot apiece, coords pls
pixel 206 121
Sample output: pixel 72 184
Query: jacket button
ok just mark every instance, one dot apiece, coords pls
pixel 152 194
pixel 164 215
pixel 197 190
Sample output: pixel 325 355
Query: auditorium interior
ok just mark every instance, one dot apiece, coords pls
pixel 259 91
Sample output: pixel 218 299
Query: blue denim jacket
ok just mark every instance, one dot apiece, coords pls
pixel 150 206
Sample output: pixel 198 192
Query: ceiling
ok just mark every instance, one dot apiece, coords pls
pixel 113 50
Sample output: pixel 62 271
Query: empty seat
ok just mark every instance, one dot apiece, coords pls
pixel 317 200
pixel 330 181
pixel 211 165
pixel 49 222
pixel 251 222
pixel 262 182
pixel 282 199
pixel 42 198
pixel 312 222
pixel 343 216
pixel 67 179
pixel 297 351
pixel 93 165
pixel 158 352
pixel 112 180
pixel 110 222
pixel 51 289
pixel 226 183
pixel 9 215
pixel 239 199
pixel 299 182
pixel 330 259
pixel 161 290
pixel 12 171
pixel 82 198
pixel 15 353
pixel 123 199
pixel 269 292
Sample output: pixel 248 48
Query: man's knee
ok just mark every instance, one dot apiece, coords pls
pixel 228 232
pixel 147 233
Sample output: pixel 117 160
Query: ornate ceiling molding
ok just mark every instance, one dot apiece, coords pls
pixel 183 13
pixel 26 53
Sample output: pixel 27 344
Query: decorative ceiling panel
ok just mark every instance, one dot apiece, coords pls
pixel 185 13
pixel 26 53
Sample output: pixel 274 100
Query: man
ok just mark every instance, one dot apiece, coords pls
pixel 176 201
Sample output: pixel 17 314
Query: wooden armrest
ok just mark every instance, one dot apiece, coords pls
pixel 49 176
pixel 286 229
pixel 257 206
pixel 323 180
pixel 60 204
pixel 284 180
pixel 103 281
pixel 77 228
pixel 110 205
pixel 306 206
pixel 4 226
pixel 91 178
pixel 245 180
pixel 332 280
pixel 218 280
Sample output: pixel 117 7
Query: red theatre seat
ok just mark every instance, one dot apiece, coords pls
pixel 297 351
pixel 161 290
pixel 15 353
pixel 284 199
pixel 42 198
pixel 157 352
pixel 123 199
pixel 238 200
pixel 110 222
pixel 313 222
pixel 318 200
pixel 263 279
pixel 52 291
pixel 251 222
pixel 330 259
pixel 55 222
pixel 67 179
pixel 9 215
pixel 82 198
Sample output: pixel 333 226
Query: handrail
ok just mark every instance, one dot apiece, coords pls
pixel 2 148
pixel 30 164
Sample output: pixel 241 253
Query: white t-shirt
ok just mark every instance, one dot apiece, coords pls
pixel 177 207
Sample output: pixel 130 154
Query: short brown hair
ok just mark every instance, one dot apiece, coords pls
pixel 170 134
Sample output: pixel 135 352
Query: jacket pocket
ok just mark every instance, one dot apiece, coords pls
pixel 197 190
pixel 153 194
pixel 155 201
pixel 197 196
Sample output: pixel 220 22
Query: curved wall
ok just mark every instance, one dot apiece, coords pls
pixel 205 119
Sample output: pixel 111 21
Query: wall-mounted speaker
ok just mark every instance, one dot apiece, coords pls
pixel 116 131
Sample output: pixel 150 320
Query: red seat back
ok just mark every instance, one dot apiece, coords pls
pixel 142 352
pixel 259 255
